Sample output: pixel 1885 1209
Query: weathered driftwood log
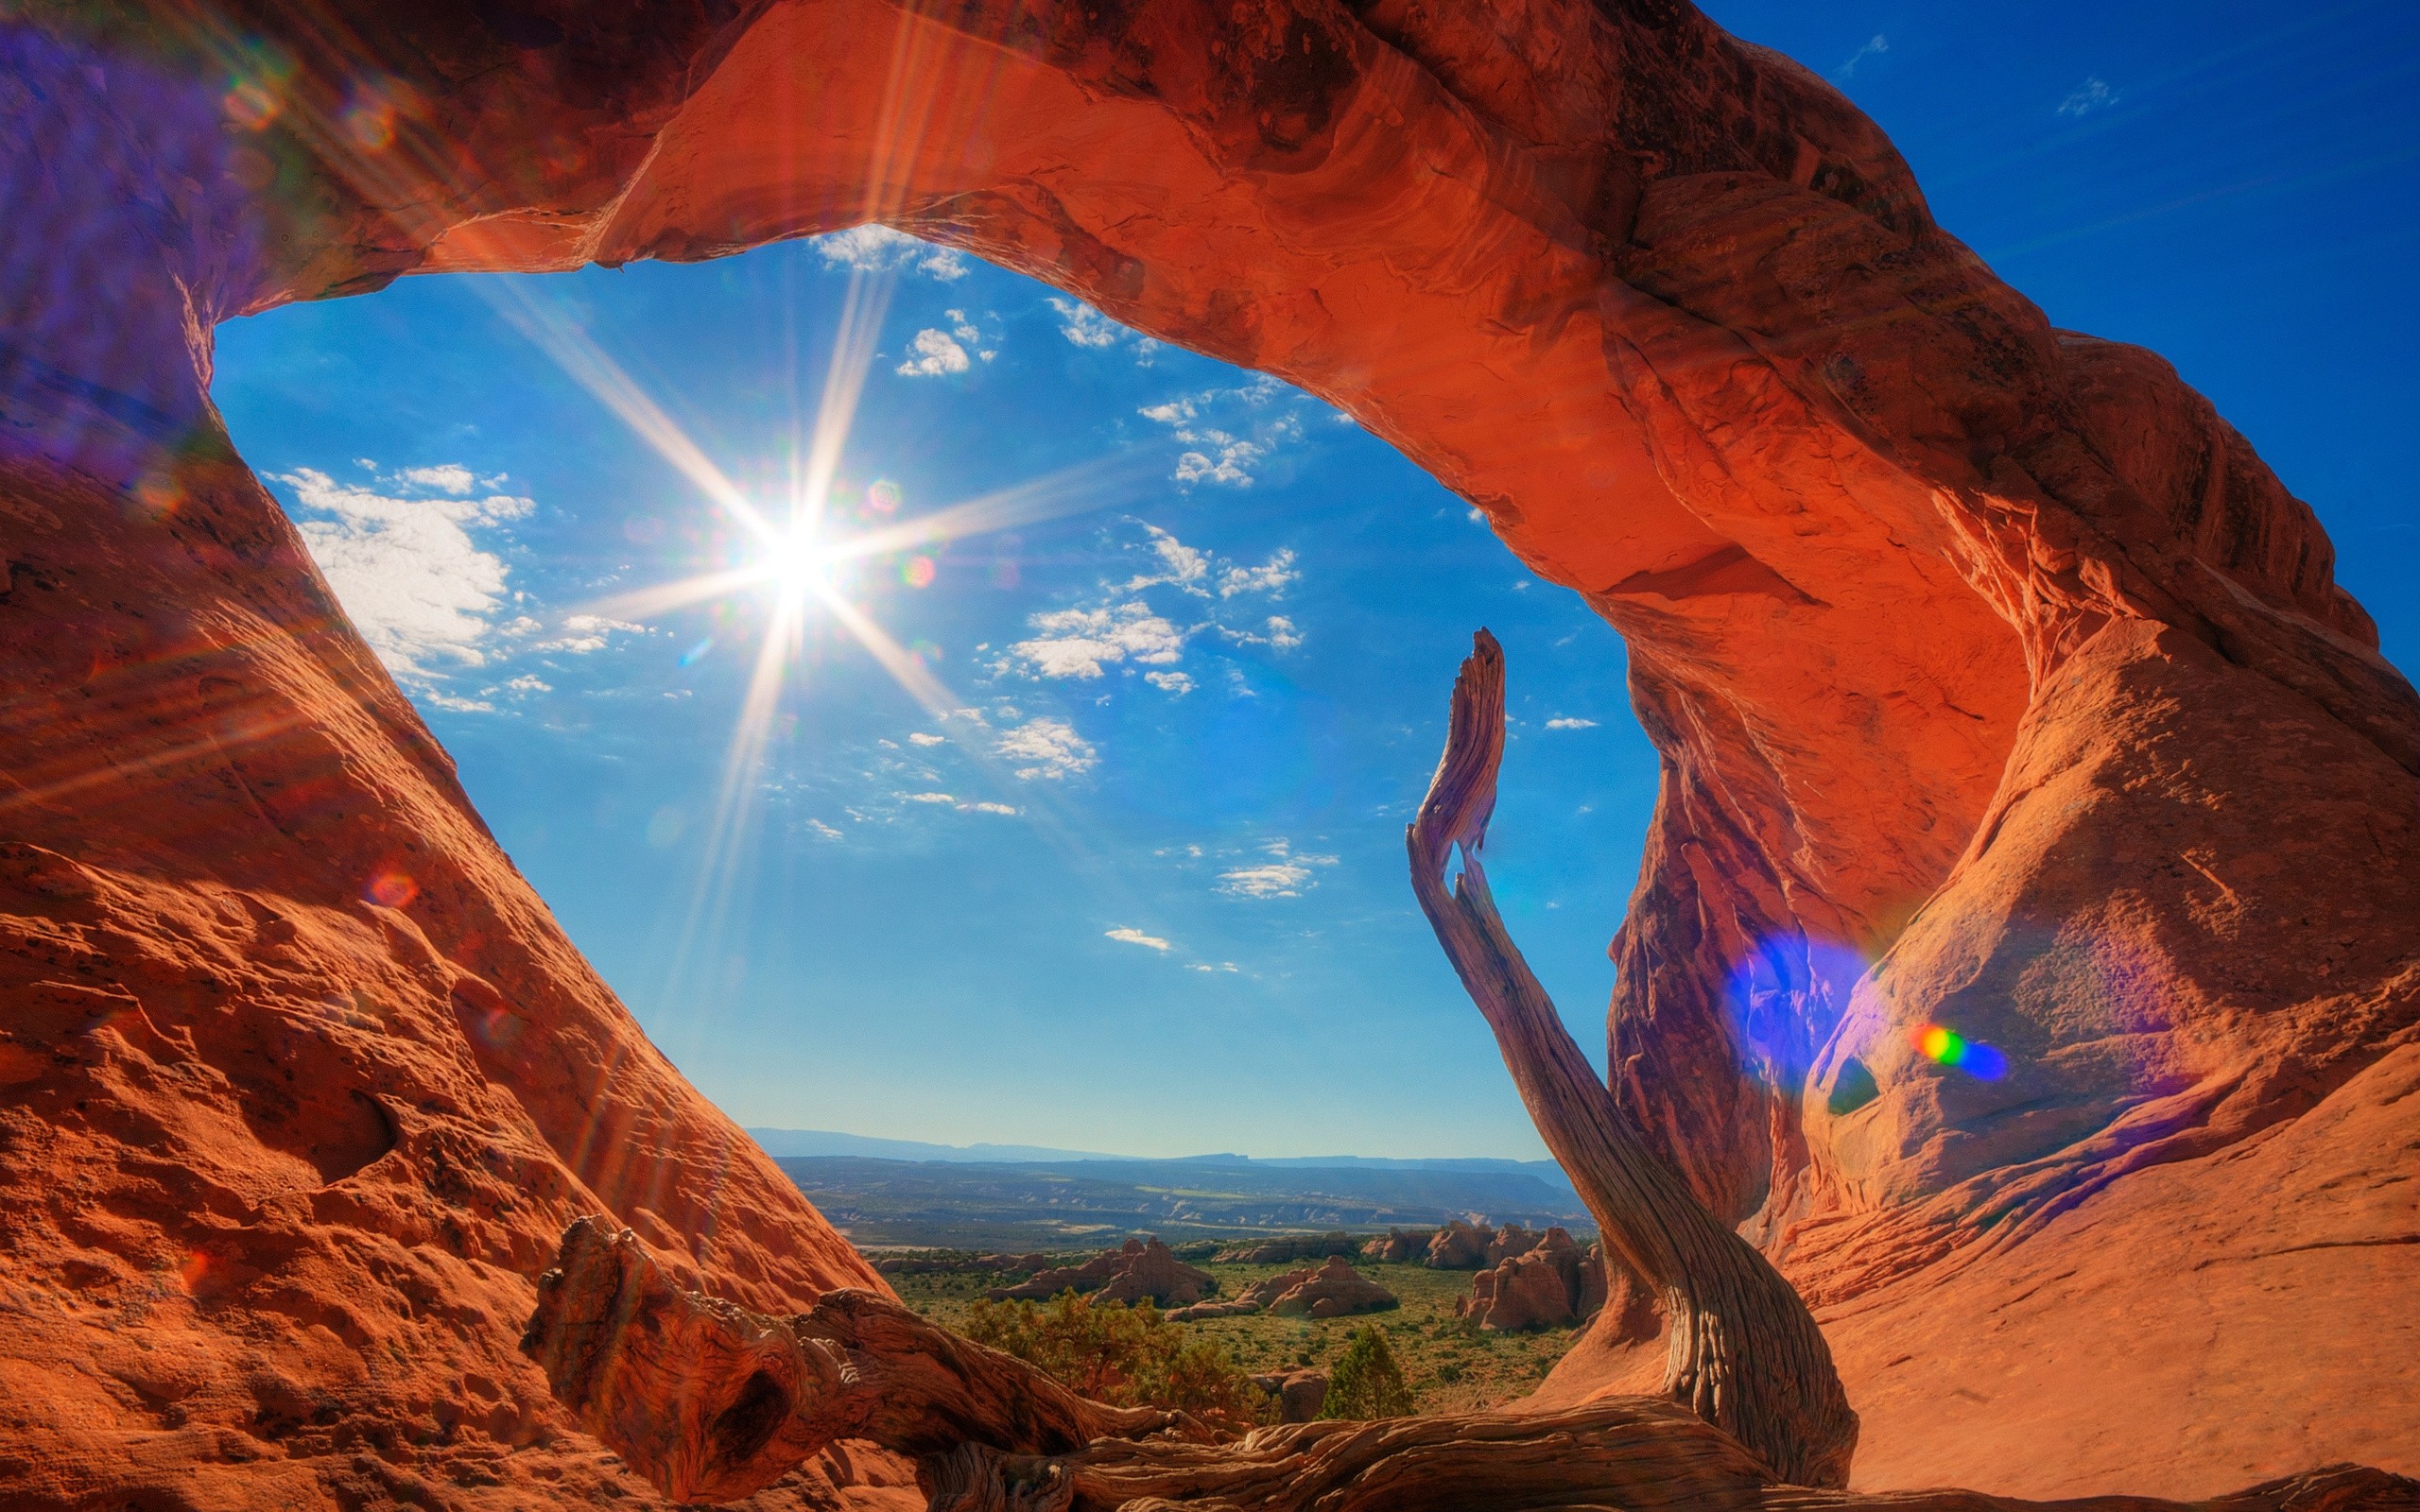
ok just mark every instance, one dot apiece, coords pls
pixel 1744 1353
pixel 711 1402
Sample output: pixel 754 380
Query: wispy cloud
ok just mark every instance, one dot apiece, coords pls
pixel 1135 937
pixel 1087 327
pixel 1567 722
pixel 1228 432
pixel 926 797
pixel 408 571
pixel 2090 95
pixel 1051 748
pixel 880 250
pixel 1075 643
pixel 1286 873
pixel 1269 578
pixel 920 738
pixel 1008 809
pixel 446 478
pixel 1175 682
pixel 1875 46
pixel 1181 566
pixel 1204 965
pixel 585 634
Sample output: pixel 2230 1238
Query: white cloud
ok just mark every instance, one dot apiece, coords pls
pixel 583 633
pixel 1875 46
pixel 1181 565
pixel 1175 682
pixel 446 478
pixel 927 798
pixel 1567 722
pixel 528 683
pixel 407 571
pixel 1286 874
pixel 1277 878
pixel 962 326
pixel 1085 326
pixel 1135 937
pixel 2090 95
pixel 1271 577
pixel 936 353
pixel 1075 642
pixel 1010 809
pixel 1051 746
pixel 460 706
pixel 1233 466
pixel 1213 424
pixel 880 250
pixel 920 738
pixel 1222 966
pixel 824 830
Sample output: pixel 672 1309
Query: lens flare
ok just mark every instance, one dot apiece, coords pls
pixel 391 889
pixel 1947 1047
pixel 917 572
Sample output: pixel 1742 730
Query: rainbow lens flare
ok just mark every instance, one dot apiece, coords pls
pixel 918 571
pixel 391 889
pixel 1947 1047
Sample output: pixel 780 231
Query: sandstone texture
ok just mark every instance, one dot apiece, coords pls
pixel 2001 689
pixel 1334 1290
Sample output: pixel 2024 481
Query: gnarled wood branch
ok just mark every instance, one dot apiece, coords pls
pixel 1744 1353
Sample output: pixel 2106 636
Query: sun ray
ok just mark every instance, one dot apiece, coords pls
pixel 586 364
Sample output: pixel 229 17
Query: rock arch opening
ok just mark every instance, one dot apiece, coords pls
pixel 1968 640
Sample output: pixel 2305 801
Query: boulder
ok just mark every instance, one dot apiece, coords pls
pixel 1138 1271
pixel 1553 1283
pixel 1335 1290
pixel 1459 1245
pixel 1300 1393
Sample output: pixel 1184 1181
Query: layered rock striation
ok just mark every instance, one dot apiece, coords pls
pixel 2005 698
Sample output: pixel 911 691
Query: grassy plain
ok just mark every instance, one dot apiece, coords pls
pixel 1449 1364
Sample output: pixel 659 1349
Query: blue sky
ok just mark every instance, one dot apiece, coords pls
pixel 1139 885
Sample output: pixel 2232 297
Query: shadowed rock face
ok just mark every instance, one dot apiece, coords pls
pixel 1981 654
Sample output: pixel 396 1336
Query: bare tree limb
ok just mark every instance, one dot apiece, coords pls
pixel 1744 1353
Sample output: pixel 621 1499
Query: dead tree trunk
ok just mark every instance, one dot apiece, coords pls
pixel 1743 1351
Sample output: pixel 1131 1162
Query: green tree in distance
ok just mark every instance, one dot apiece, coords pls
pixel 1124 1356
pixel 1366 1381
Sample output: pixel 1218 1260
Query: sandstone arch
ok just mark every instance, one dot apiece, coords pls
pixel 1966 639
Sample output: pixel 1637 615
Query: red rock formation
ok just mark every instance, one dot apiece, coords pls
pixel 1552 1285
pixel 1398 1247
pixel 1978 652
pixel 1334 1290
pixel 1139 1270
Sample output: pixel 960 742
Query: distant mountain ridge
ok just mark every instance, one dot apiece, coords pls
pixel 813 1142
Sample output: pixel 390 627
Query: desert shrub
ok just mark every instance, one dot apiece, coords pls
pixel 1125 1356
pixel 1366 1382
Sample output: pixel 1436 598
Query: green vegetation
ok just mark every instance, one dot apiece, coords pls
pixel 1366 1382
pixel 1125 1356
pixel 1447 1363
